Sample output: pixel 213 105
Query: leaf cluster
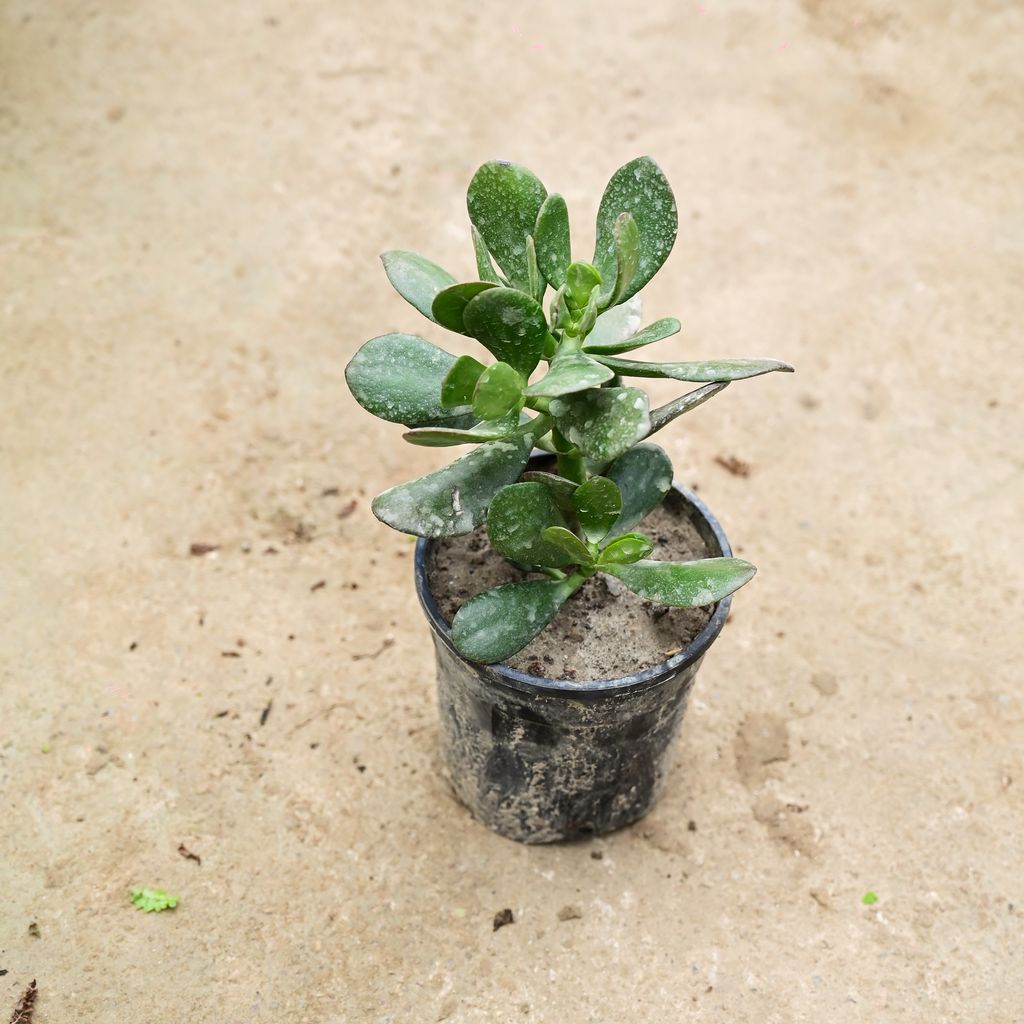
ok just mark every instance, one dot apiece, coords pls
pixel 153 900
pixel 554 381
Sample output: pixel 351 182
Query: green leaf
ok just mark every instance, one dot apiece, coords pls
pixel 640 189
pixel 684 584
pixel 644 476
pixel 869 898
pixel 559 308
pixel 454 500
pixel 415 278
pixel 603 422
pixel 598 503
pixel 561 489
pixel 509 324
pixel 153 900
pixel 657 331
pixel 590 313
pixel 498 623
pixel 498 391
pixel 569 371
pixel 664 414
pixel 627 256
pixel 552 240
pixel 630 547
pixel 460 382
pixel 698 372
pixel 486 430
pixel 515 520
pixel 565 540
pixel 503 201
pixel 450 304
pixel 580 280
pixel 537 282
pixel 615 324
pixel 484 267
pixel 398 378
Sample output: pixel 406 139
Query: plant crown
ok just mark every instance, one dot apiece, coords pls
pixel 564 526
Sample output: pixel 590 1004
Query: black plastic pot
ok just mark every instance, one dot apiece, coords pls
pixel 541 760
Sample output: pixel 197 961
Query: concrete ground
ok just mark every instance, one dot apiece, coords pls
pixel 193 198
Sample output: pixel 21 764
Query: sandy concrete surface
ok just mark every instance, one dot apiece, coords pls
pixel 193 199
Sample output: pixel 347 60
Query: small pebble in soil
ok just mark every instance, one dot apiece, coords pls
pixel 503 917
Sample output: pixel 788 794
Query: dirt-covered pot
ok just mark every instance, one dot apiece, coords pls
pixel 540 760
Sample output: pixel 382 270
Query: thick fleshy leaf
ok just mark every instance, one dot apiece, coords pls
pixel 616 324
pixel 484 266
pixel 569 372
pixel 510 325
pixel 697 372
pixel 498 392
pixel 515 520
pixel 627 255
pixel 559 310
pixel 684 584
pixel 590 314
pixel 415 278
pixel 552 240
pixel 536 279
pixel 398 378
pixel 575 550
pixel 503 201
pixel 580 280
pixel 450 304
pixel 641 189
pixel 561 489
pixel 657 331
pixel 630 547
pixel 486 430
pixel 498 623
pixel 666 413
pixel 460 382
pixel 603 422
pixel 598 503
pixel 454 500
pixel 644 476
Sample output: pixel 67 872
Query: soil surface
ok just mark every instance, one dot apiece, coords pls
pixel 604 631
pixel 192 202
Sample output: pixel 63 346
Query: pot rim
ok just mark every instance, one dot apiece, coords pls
pixel 538 685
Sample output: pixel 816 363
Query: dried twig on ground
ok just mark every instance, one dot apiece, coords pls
pixel 26 1006
pixel 188 854
pixel 733 465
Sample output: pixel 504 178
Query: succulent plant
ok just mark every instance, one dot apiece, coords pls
pixel 564 526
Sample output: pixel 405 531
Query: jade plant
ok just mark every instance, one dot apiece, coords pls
pixel 567 525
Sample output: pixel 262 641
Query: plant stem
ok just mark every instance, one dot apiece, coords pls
pixel 572 467
pixel 555 574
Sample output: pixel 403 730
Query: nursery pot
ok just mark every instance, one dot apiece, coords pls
pixel 541 760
